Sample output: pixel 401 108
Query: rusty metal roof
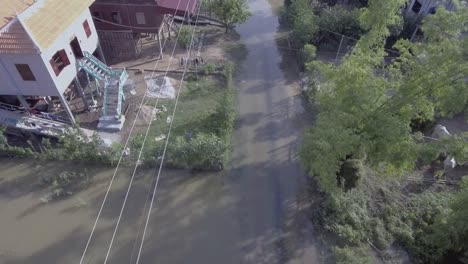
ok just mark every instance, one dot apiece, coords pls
pixel 170 6
pixel 15 40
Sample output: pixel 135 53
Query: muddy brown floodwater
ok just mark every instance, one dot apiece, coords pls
pixel 253 212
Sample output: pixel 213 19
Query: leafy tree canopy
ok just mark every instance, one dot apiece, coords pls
pixel 366 106
pixel 231 12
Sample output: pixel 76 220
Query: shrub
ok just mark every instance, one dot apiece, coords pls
pixel 203 152
pixel 348 217
pixel 184 37
pixel 340 20
pixel 301 18
pixel 209 68
pixel 352 255
pixel 64 184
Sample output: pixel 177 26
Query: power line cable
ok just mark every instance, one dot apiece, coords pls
pixel 124 26
pixel 141 151
pixel 337 33
pixel 165 146
pixel 121 157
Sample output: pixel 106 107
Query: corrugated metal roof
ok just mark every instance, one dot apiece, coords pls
pixel 15 40
pixel 49 18
pixel 9 9
pixel 170 6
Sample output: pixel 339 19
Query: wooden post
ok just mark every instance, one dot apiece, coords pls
pixel 168 29
pixel 66 108
pixel 101 54
pixel 23 102
pixel 160 46
pixel 81 92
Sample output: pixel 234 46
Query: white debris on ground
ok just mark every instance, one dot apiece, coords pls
pixel 441 132
pixel 159 138
pixel 169 119
pixel 126 152
pixel 160 87
pixel 108 139
pixel 450 163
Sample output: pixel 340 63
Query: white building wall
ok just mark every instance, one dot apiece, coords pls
pixel 11 82
pixel 67 75
pixel 47 83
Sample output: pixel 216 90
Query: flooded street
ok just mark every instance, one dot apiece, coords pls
pixel 251 213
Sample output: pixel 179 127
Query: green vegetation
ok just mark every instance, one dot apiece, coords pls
pixel 372 113
pixel 200 136
pixel 185 37
pixel 64 184
pixel 231 12
pixel 367 114
pixel 202 129
pixel 352 255
pixel 72 145
pixel 312 26
pixel 429 225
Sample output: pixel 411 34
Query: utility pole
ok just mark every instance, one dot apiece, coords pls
pixel 339 49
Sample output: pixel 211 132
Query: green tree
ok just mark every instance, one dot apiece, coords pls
pixel 185 37
pixel 340 20
pixel 302 20
pixel 450 232
pixel 366 107
pixel 231 12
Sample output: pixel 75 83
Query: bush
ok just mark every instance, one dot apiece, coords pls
pixel 340 20
pixel 372 214
pixel 184 37
pixel 347 216
pixel 208 68
pixel 310 28
pixel 303 21
pixel 203 152
pixel 352 255
pixel 72 145
pixel 64 184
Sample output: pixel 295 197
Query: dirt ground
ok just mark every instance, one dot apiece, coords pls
pixel 212 44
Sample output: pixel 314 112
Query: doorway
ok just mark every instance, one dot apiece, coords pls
pixel 75 46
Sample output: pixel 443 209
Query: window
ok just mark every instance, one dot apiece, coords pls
pixel 87 29
pixel 140 17
pixel 59 61
pixel 97 14
pixel 116 17
pixel 416 7
pixel 25 72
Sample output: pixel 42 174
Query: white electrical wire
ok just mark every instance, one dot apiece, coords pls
pixel 141 151
pixel 123 26
pixel 121 156
pixel 165 146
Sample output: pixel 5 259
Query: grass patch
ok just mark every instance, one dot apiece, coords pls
pixel 202 127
